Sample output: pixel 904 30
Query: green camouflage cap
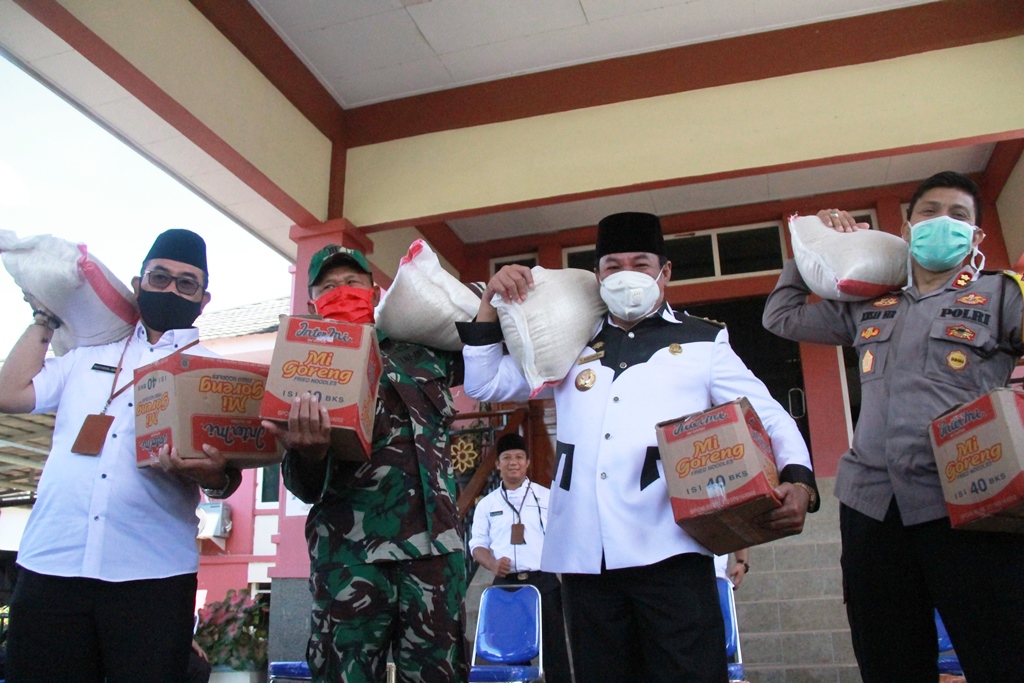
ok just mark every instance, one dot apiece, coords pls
pixel 335 255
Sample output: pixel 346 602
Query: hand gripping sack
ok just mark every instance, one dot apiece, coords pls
pixel 94 306
pixel 546 332
pixel 847 266
pixel 425 301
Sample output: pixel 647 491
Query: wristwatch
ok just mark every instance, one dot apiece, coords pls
pixel 812 495
pixel 234 477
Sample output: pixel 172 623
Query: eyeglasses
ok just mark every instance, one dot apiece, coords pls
pixel 186 286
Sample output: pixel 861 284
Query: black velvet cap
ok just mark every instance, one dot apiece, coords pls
pixel 512 442
pixel 631 231
pixel 180 245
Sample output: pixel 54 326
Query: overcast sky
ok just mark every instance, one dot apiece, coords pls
pixel 61 174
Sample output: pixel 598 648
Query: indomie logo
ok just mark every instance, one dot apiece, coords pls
pixel 152 408
pixel 702 421
pixel 154 443
pixel 960 421
pixel 969 455
pixel 318 365
pixel 230 434
pixel 321 335
pixel 705 452
pixel 234 394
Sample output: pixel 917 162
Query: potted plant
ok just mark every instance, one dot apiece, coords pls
pixel 233 633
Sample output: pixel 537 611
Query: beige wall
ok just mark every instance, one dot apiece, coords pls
pixel 850 110
pixel 1011 212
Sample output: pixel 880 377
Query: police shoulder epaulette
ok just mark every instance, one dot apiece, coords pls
pixel 709 321
pixel 1016 277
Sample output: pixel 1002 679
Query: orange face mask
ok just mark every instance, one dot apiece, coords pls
pixel 347 305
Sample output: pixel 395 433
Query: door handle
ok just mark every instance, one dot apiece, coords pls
pixel 797 403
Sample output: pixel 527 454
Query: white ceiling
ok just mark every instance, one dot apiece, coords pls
pixel 366 51
pixel 725 193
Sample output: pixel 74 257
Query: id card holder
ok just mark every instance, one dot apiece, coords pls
pixel 518 534
pixel 92 435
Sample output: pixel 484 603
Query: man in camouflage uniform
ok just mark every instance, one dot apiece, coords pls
pixel 386 555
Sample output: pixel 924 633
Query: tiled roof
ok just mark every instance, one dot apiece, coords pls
pixel 243 320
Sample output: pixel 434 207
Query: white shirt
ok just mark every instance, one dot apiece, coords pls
pixel 102 517
pixel 494 517
pixel 608 498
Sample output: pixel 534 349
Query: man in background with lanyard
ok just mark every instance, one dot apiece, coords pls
pixel 109 558
pixel 508 535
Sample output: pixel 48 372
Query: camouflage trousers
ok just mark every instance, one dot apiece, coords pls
pixel 412 608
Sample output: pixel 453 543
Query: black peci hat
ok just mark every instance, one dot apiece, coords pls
pixel 180 245
pixel 512 442
pixel 631 231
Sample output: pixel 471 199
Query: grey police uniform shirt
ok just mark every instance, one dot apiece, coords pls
pixel 919 355
pixel 609 501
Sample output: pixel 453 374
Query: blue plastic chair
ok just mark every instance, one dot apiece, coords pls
pixel 289 672
pixel 508 636
pixel 732 630
pixel 948 661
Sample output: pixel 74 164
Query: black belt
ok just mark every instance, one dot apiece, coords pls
pixel 525 576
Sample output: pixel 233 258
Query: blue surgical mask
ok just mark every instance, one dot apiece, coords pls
pixel 940 243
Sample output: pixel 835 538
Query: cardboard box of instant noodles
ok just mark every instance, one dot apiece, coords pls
pixel 979 450
pixel 187 401
pixel 720 471
pixel 337 362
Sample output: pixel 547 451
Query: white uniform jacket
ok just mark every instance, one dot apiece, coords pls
pixel 609 497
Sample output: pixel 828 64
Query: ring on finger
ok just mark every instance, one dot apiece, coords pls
pixel 833 214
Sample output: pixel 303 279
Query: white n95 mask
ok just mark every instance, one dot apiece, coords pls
pixel 630 295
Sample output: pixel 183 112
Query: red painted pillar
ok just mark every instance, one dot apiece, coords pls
pixel 309 240
pixel 827 418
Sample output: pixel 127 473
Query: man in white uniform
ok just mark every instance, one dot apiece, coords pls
pixel 108 559
pixel 641 601
pixel 508 537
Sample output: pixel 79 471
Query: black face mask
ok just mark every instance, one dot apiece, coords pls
pixel 162 311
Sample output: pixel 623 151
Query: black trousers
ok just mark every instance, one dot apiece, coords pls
pixel 894 576
pixel 661 623
pixel 73 630
pixel 556 654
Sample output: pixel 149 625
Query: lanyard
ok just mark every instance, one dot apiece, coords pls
pixel 120 362
pixel 504 494
pixel 518 513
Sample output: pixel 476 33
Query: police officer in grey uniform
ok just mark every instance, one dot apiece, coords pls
pixel 640 595
pixel 950 336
